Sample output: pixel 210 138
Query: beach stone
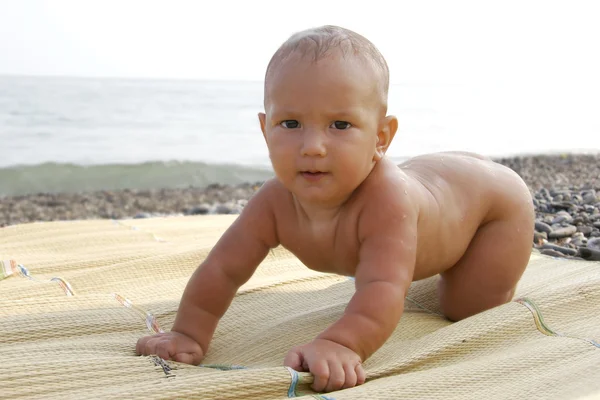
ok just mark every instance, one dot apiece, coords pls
pixel 589 254
pixel 562 216
pixel 594 243
pixel 222 209
pixel 202 209
pixel 553 253
pixel 577 221
pixel 579 242
pixel 563 232
pixel 584 229
pixel 538 236
pixel 542 227
pixel 564 250
pixel 589 197
pixel 577 199
pixel 562 205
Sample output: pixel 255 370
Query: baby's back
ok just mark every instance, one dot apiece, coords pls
pixel 459 193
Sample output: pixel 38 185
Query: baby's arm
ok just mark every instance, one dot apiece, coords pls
pixel 383 276
pixel 213 285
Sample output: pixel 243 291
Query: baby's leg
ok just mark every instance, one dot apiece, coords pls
pixel 488 272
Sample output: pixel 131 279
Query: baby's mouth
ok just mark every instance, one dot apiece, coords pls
pixel 313 176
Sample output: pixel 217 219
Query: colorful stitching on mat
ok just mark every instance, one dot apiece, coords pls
pixel 7 268
pixel 151 322
pixel 135 228
pixel 423 307
pixel 294 383
pixel 222 367
pixel 541 325
pixel 66 287
pixel 10 267
pixel 159 362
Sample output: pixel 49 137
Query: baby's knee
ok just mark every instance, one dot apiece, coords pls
pixel 461 307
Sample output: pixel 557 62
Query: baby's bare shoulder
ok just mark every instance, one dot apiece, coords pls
pixel 388 196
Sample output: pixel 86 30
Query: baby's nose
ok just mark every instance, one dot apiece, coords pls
pixel 314 145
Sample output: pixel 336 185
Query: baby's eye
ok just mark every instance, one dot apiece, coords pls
pixel 290 124
pixel 341 125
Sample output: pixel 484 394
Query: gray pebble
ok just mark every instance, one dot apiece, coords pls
pixel 594 243
pixel 579 242
pixel 564 250
pixel 222 209
pixel 577 221
pixel 589 197
pixel 553 253
pixel 142 215
pixel 200 210
pixel 542 227
pixel 584 229
pixel 596 224
pixel 589 254
pixel 563 232
pixel 562 218
pixel 538 236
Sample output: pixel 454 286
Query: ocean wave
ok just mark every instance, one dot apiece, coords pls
pixel 70 178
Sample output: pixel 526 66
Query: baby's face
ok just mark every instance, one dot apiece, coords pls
pixel 321 126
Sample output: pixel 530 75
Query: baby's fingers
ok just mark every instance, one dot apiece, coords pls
pixel 361 375
pixel 165 348
pixel 186 358
pixel 337 376
pixel 320 370
pixel 294 360
pixel 147 343
pixel 351 376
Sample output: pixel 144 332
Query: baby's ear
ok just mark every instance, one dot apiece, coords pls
pixel 385 134
pixel 262 118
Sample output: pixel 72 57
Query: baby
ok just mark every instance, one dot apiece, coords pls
pixel 340 206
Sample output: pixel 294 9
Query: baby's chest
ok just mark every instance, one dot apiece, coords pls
pixel 325 252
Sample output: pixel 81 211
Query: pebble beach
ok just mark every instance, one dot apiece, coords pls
pixel 565 189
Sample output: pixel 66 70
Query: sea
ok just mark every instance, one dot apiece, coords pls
pixel 70 134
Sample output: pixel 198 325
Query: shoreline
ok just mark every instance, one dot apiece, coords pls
pixel 565 187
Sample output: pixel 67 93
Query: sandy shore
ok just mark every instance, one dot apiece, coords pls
pixel 566 193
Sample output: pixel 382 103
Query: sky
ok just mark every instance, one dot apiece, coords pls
pixel 498 42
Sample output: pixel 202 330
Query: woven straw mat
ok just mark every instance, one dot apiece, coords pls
pixel 76 296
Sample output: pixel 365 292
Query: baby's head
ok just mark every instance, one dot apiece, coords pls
pixel 314 45
pixel 325 104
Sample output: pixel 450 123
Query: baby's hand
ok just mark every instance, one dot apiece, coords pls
pixel 171 346
pixel 334 366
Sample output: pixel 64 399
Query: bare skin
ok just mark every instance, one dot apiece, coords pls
pixel 340 206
